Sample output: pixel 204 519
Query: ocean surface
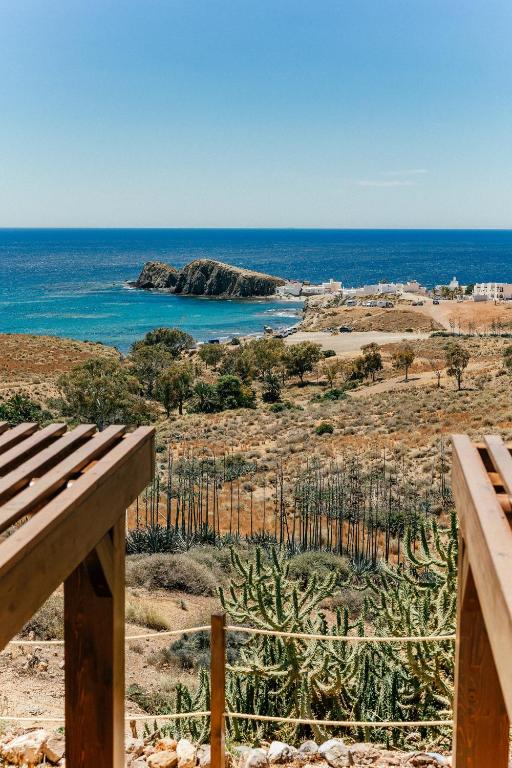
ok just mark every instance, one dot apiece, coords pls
pixel 72 282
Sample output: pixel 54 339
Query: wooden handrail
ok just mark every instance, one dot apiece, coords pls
pixel 483 673
pixel 66 496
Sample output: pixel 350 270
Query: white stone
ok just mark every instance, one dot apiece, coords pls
pixel 134 746
pixel 336 753
pixel 308 748
pixel 254 758
pixel 363 754
pixel 186 754
pixel 166 744
pixel 204 756
pixel 54 749
pixel 279 752
pixel 26 749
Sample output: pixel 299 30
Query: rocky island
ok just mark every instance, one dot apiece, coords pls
pixel 206 277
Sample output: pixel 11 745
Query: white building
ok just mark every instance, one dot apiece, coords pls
pixel 290 288
pixel 493 291
pixel 412 286
pixel 312 290
pixel 333 286
pixel 453 284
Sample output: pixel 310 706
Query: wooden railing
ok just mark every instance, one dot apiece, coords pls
pixel 66 494
pixel 482 487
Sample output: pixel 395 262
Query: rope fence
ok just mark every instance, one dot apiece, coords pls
pixel 219 713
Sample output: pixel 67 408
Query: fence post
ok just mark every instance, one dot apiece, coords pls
pixel 217 689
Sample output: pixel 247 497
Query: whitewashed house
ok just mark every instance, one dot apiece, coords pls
pixel 493 291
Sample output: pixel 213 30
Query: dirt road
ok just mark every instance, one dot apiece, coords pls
pixel 349 344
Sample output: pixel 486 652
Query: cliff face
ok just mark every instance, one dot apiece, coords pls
pixel 205 277
pixel 157 276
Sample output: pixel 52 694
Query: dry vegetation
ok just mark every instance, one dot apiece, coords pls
pixel 369 319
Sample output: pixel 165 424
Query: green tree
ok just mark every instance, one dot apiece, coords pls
pixel 148 362
pixel 211 354
pixel 205 398
pixel 330 369
pixel 103 392
pixel 238 362
pixel 301 358
pixel 403 358
pixel 266 354
pixel 271 392
pixel 457 359
pixel 174 340
pixel 372 359
pixel 20 408
pixel 232 393
pixel 174 386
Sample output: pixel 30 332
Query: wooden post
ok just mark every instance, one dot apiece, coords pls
pixel 481 727
pixel 94 656
pixel 218 689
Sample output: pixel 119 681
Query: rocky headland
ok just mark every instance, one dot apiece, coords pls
pixel 206 277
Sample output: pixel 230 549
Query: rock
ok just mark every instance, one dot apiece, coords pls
pixel 279 752
pixel 335 752
pixel 134 747
pixel 254 758
pixel 166 744
pixel 204 756
pixel 426 760
pixel 157 276
pixel 27 749
pixel 54 749
pixel 363 754
pixel 186 754
pixel 205 277
pixel 164 758
pixel 308 748
pixel 138 762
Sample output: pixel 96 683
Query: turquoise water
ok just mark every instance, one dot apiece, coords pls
pixel 73 282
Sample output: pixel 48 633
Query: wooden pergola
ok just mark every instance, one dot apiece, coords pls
pixel 482 487
pixel 63 497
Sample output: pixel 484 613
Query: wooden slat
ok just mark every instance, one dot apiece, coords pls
pixel 3 427
pixel 218 689
pixel 42 553
pixel 28 447
pixel 15 435
pixel 501 459
pixel 39 464
pixel 30 498
pixel 488 540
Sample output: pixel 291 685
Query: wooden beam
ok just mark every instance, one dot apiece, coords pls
pixel 30 499
pixel 42 553
pixel 488 540
pixel 481 727
pixel 94 669
pixel 39 464
pixel 104 551
pixel 218 689
pixel 28 447
pixel 501 459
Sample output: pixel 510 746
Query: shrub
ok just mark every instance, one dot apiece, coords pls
pixel 174 340
pixel 20 408
pixel 48 622
pixel 306 565
pixel 271 389
pixel 146 615
pixel 331 394
pixel 193 651
pixel 328 353
pixel 173 572
pixel 324 428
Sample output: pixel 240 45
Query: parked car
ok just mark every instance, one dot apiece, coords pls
pixel 417 303
pixel 351 303
pixel 435 301
pixel 213 341
pixel 345 329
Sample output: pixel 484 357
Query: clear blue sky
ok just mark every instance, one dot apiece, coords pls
pixel 328 113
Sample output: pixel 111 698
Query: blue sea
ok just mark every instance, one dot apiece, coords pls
pixel 72 282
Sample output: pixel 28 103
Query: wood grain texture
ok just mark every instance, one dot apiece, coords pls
pixel 26 448
pixel 481 730
pixel 42 552
pixel 488 545
pixel 11 437
pixel 218 688
pixel 94 661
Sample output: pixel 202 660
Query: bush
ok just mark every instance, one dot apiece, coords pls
pixel 287 405
pixel 146 615
pixel 328 353
pixel 331 394
pixel 48 622
pixel 20 408
pixel 193 651
pixel 173 572
pixel 311 564
pixel 324 428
